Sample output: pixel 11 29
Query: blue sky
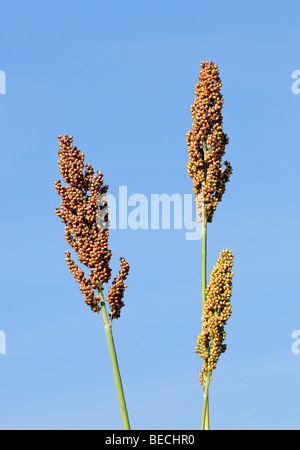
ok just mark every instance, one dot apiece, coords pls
pixel 120 77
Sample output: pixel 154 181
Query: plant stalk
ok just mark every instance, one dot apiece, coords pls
pixel 114 361
pixel 204 256
pixel 205 408
pixel 205 418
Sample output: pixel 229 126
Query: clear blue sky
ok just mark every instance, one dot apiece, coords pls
pixel 119 77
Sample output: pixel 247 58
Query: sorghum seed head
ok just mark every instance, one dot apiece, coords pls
pixel 206 142
pixel 216 312
pixel 79 212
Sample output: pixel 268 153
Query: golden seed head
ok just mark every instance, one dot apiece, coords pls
pixel 116 291
pixel 216 312
pixel 206 142
pixel 79 212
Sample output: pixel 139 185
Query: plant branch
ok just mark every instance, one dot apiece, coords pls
pixel 114 361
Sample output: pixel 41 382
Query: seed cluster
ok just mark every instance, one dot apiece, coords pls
pixel 216 312
pixel 79 212
pixel 116 291
pixel 206 143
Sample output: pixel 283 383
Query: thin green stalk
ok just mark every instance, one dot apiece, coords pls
pixel 205 418
pixel 204 257
pixel 114 361
pixel 205 408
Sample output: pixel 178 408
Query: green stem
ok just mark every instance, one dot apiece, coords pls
pixel 204 257
pixel 205 418
pixel 114 361
pixel 205 410
pixel 204 237
pixel 205 413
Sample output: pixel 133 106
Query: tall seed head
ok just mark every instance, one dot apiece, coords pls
pixel 206 143
pixel 216 312
pixel 80 212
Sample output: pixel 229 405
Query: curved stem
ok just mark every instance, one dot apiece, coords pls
pixel 114 361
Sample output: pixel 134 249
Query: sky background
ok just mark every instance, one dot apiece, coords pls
pixel 120 77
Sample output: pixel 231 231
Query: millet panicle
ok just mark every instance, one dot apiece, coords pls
pixel 206 143
pixel 79 212
pixel 216 312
